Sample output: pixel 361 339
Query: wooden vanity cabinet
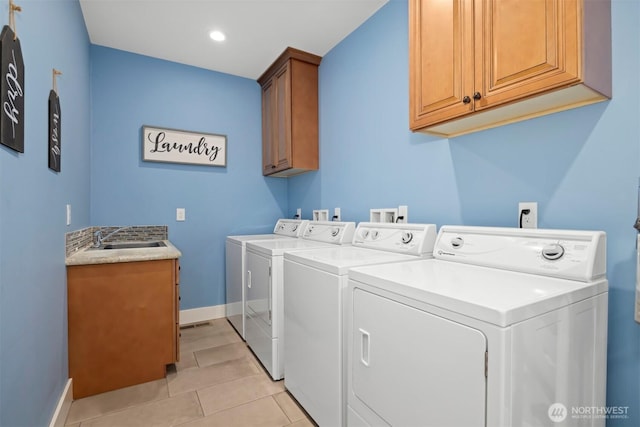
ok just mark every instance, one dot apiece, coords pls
pixel 290 114
pixel 123 323
pixel 477 64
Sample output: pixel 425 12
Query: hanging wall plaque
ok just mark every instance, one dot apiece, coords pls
pixel 54 131
pixel 11 91
pixel 179 146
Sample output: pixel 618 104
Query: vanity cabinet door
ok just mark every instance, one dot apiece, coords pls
pixel 122 324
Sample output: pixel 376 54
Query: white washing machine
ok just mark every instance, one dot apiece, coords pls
pixel 264 288
pixel 235 254
pixel 505 327
pixel 315 282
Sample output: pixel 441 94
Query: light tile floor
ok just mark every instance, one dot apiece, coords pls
pixel 218 382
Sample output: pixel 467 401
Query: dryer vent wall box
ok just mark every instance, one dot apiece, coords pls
pixel 383 215
pixel 321 215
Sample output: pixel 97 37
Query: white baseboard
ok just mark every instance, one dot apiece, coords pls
pixel 201 314
pixel 64 404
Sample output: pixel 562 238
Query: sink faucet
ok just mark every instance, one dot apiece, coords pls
pixel 99 239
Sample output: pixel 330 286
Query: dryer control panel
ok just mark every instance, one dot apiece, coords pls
pixel 330 231
pixel 290 227
pixel 568 254
pixel 413 239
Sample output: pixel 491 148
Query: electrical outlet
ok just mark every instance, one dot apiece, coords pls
pixel 403 214
pixel 336 214
pixel 68 214
pixel 180 214
pixel 528 215
pixel 298 213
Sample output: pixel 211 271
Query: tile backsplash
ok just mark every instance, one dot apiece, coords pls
pixel 80 239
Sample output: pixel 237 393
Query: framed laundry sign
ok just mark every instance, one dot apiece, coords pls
pixel 179 146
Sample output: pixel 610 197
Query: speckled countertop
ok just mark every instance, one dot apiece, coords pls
pixel 90 255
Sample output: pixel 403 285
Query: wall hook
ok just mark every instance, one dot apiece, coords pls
pixel 55 83
pixel 12 19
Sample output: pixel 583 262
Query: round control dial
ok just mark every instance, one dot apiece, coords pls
pixel 294 227
pixel 364 234
pixel 553 252
pixel 374 234
pixel 335 231
pixel 407 237
pixel 457 242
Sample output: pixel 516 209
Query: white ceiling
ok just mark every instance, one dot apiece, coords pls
pixel 257 30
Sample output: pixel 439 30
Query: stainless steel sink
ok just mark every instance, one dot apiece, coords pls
pixel 133 245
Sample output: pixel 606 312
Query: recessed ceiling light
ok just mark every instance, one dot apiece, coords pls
pixel 217 36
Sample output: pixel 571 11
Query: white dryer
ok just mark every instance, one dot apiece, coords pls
pixel 264 289
pixel 315 283
pixel 505 327
pixel 235 254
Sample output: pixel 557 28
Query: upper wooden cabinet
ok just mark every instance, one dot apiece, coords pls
pixel 290 114
pixel 477 64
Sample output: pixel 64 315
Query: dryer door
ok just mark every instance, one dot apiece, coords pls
pixel 258 290
pixel 413 368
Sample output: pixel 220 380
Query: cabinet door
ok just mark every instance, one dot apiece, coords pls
pixel 268 127
pixel 176 297
pixel 524 48
pixel 282 143
pixel 276 122
pixel 441 60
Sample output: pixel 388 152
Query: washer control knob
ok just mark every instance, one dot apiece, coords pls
pixel 335 231
pixel 375 234
pixel 294 227
pixel 364 234
pixel 553 252
pixel 310 229
pixel 457 242
pixel 407 237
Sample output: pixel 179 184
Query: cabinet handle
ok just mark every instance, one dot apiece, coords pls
pixel 466 100
pixel 477 96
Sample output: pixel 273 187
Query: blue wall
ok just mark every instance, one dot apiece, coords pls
pixel 581 166
pixel 129 91
pixel 33 307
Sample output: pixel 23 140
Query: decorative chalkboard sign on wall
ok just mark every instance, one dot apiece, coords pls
pixel 179 146
pixel 11 91
pixel 54 131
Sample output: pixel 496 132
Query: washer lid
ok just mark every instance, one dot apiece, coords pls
pixel 338 260
pixel 256 237
pixel 278 247
pixel 492 295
